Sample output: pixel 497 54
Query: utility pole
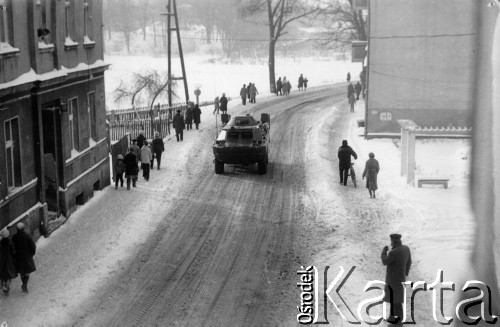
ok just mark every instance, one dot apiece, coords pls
pixel 172 12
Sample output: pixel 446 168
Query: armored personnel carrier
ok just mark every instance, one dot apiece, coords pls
pixel 243 140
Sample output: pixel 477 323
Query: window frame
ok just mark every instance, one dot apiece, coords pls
pixel 15 174
pixel 6 28
pixel 74 131
pixel 92 115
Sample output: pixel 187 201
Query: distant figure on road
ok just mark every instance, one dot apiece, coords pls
pixel 344 154
pixel 196 115
pixel 358 89
pixel 119 170
pixel 223 103
pixel 286 86
pixel 398 262
pixel 348 77
pixel 189 116
pixel 7 267
pixel 179 125
pixel 279 85
pixel 253 93
pixel 140 139
pixel 243 94
pixel 216 105
pixel 131 167
pixel 352 101
pixel 158 148
pixel 371 171
pixel 248 90
pixel 301 82
pixel 146 158
pixel 25 250
pixel 350 90
pixel 305 83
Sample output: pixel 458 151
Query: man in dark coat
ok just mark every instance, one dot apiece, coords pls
pixel 196 115
pixel 398 262
pixel 131 167
pixel 358 89
pixel 189 116
pixel 7 268
pixel 25 250
pixel 158 147
pixel 348 77
pixel 223 103
pixel 350 90
pixel 140 139
pixel 301 82
pixel 243 94
pixel 344 155
pixel 179 126
pixel 279 85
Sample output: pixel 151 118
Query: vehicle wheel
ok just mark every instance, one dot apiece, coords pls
pixel 219 167
pixel 262 167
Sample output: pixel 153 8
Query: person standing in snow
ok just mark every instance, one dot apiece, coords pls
pixel 179 125
pixel 189 116
pixel 348 77
pixel 248 91
pixel 352 101
pixel 131 167
pixel 344 154
pixel 398 262
pixel 7 267
pixel 279 85
pixel 119 170
pixel 216 105
pixel 136 150
pixel 243 94
pixel 146 159
pixel 25 249
pixel 158 148
pixel 305 83
pixel 140 139
pixel 350 90
pixel 371 171
pixel 253 93
pixel 223 103
pixel 196 115
pixel 358 89
pixel 301 82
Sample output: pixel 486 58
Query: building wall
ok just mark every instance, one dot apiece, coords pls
pixel 421 63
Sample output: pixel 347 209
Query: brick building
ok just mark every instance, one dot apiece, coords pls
pixel 53 144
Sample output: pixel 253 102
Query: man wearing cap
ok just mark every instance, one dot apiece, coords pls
pixel 7 268
pixel 25 250
pixel 344 155
pixel 398 262
pixel 179 125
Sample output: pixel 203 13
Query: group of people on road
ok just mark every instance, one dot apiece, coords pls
pixel 371 170
pixel 353 92
pixel 283 86
pixel 302 85
pixel 248 91
pixel 16 257
pixel 139 152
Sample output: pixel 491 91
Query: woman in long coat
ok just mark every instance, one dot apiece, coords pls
pixel 371 171
pixel 25 250
pixel 131 167
pixel 189 117
pixel 196 115
pixel 7 268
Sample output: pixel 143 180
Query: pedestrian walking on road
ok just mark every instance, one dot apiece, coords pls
pixel 301 82
pixel 348 77
pixel 358 89
pixel 131 168
pixel 398 262
pixel 352 101
pixel 279 85
pixel 253 93
pixel 179 126
pixel 119 170
pixel 350 90
pixel 146 158
pixel 140 139
pixel 243 94
pixel 223 103
pixel 305 83
pixel 158 148
pixel 7 267
pixel 25 249
pixel 196 115
pixel 189 116
pixel 248 90
pixel 216 105
pixel 371 171
pixel 136 150
pixel 344 154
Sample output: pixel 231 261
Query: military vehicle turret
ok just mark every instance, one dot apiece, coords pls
pixel 243 140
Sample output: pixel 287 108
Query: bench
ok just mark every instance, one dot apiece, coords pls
pixel 434 181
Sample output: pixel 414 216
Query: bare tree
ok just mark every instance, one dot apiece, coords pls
pixel 346 25
pixel 280 13
pixel 206 13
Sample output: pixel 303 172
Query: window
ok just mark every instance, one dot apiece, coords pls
pixel 5 25
pixel 69 18
pixel 92 115
pixel 42 17
pixel 12 153
pixel 73 123
pixel 87 19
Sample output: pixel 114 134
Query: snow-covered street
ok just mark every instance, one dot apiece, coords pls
pixel 189 246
